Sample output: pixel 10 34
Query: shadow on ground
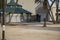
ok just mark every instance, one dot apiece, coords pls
pixel 38 26
pixel 35 27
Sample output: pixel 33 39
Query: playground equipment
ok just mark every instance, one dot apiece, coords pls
pixel 57 10
pixel 51 14
pixel 47 6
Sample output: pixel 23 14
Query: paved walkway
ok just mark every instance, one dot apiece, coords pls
pixel 32 32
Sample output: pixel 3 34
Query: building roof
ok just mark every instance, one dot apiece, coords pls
pixel 21 10
pixel 13 3
pixel 17 10
pixel 9 9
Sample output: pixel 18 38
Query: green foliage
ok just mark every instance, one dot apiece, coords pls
pixel 37 1
pixel 7 13
pixel 0 4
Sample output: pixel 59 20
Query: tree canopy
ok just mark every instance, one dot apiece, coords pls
pixel 0 4
pixel 37 1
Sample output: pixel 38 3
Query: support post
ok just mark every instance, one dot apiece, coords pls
pixel 3 18
pixel 57 5
pixel 44 22
pixel 51 14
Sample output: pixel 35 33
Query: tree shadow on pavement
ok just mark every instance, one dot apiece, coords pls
pixel 41 28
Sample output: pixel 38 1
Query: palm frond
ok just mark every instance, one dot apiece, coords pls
pixel 37 1
pixel 0 3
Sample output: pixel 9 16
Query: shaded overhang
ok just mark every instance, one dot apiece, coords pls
pixel 17 10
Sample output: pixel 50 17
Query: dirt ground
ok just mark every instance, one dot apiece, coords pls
pixel 32 32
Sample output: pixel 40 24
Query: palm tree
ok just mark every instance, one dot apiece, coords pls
pixel 0 4
pixel 37 1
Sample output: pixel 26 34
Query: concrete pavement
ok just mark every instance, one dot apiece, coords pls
pixel 32 32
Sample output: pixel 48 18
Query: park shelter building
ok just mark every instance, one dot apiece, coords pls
pixel 32 7
pixel 16 13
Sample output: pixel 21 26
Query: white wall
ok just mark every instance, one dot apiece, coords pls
pixel 15 18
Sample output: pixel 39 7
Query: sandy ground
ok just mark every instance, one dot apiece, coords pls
pixel 32 32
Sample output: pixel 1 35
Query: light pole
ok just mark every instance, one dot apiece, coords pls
pixel 3 18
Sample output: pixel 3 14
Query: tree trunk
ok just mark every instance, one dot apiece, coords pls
pixel 13 11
